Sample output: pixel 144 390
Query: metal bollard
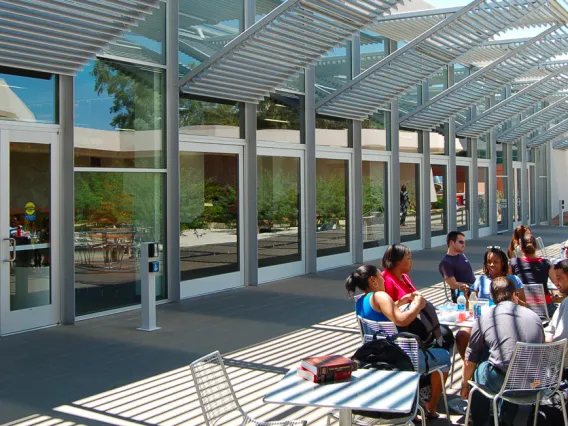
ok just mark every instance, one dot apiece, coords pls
pixel 561 215
pixel 149 267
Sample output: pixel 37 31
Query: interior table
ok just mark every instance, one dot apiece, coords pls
pixel 373 390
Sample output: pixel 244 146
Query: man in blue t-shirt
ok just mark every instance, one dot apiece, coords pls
pixel 454 267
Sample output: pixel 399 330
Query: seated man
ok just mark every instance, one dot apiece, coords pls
pixel 454 267
pixel 558 327
pixel 498 330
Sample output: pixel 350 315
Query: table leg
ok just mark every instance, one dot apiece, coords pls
pixel 345 417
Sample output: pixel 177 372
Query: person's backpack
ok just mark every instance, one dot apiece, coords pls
pixel 382 353
pixel 426 325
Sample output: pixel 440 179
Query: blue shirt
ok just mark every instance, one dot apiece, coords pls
pixel 483 285
pixel 364 309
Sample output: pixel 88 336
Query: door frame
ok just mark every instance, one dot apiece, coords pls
pixel 517 169
pixel 466 162
pixel 293 269
pixel 215 283
pixel 341 259
pixel 40 316
pixel 411 158
pixel 381 157
pixel 435 160
pixel 485 231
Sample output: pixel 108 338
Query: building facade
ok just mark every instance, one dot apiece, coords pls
pixel 236 193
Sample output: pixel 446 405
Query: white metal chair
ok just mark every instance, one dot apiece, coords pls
pixel 534 374
pixel 536 300
pixel 387 328
pixel 542 247
pixel 216 395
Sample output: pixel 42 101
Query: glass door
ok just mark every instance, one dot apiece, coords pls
pixel 29 295
pixel 438 187
pixel 280 204
pixel 463 202
pixel 375 205
pixel 211 243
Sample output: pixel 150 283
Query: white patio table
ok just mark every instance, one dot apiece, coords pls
pixel 374 390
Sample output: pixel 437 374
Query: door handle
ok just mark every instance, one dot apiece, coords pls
pixel 13 257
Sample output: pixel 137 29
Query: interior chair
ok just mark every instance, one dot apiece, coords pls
pixel 216 395
pixel 534 374
pixel 536 300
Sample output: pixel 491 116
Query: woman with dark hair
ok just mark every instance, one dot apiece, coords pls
pixel 531 269
pixel 518 234
pixel 397 262
pixel 377 305
pixel 495 264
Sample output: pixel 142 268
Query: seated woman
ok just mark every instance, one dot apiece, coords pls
pixel 397 264
pixel 377 305
pixel 518 234
pixel 558 327
pixel 531 269
pixel 495 264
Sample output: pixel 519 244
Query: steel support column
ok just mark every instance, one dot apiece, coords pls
pixel 309 115
pixel 492 204
pixel 66 199
pixel 172 157
pixel 426 211
pixel 508 158
pixel 394 182
pixel 474 190
pixel 357 164
pixel 522 148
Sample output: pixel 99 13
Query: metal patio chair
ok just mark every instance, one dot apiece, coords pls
pixel 534 374
pixel 216 395
pixel 536 300
pixel 387 328
pixel 542 247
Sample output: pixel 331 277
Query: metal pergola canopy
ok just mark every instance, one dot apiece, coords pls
pixel 279 46
pixel 488 80
pixel 551 134
pixel 423 56
pixel 543 117
pixel 515 104
pixel 561 144
pixel 60 36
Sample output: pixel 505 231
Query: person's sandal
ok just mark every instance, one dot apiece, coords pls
pixel 429 415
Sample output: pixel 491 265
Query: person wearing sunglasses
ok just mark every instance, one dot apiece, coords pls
pixel 455 267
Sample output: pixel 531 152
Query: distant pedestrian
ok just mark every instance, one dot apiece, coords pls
pixel 404 204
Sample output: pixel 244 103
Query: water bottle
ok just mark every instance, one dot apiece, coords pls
pixel 462 316
pixel 472 302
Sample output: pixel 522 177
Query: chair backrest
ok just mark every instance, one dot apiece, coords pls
pixel 358 296
pixel 542 247
pixel 535 367
pixel 536 300
pixel 216 395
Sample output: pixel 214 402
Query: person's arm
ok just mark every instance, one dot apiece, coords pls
pixel 382 302
pixel 552 276
pixel 519 287
pixel 404 300
pixel 468 369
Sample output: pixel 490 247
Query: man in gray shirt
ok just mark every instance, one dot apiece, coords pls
pixel 498 330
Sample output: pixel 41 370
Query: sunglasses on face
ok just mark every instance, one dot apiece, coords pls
pixel 460 242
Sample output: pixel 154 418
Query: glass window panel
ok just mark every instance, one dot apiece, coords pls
pixel 278 119
pixel 483 146
pixel 375 132
pixel 203 118
pixel 333 132
pixel 410 140
pixel 30 175
pixel 502 190
pixel 332 206
pixel 437 83
pixel 374 204
pixel 483 196
pixel 278 203
pixel 209 214
pixel 333 70
pixel 114 213
pixel 408 101
pixel 439 140
pixel 145 42
pixel 205 27
pixel 462 198
pixel 28 96
pixel 532 187
pixel 462 147
pixel 439 201
pixel 517 198
pixel 119 114
pixel 373 48
pixel 409 202
pixel 460 73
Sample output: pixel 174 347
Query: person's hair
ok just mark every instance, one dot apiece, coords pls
pixel 453 236
pixel 502 289
pixel 518 234
pixel 360 278
pixel 501 254
pixel 528 244
pixel 562 265
pixel 403 188
pixel 394 254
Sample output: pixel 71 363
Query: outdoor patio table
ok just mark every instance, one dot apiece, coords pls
pixel 374 390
